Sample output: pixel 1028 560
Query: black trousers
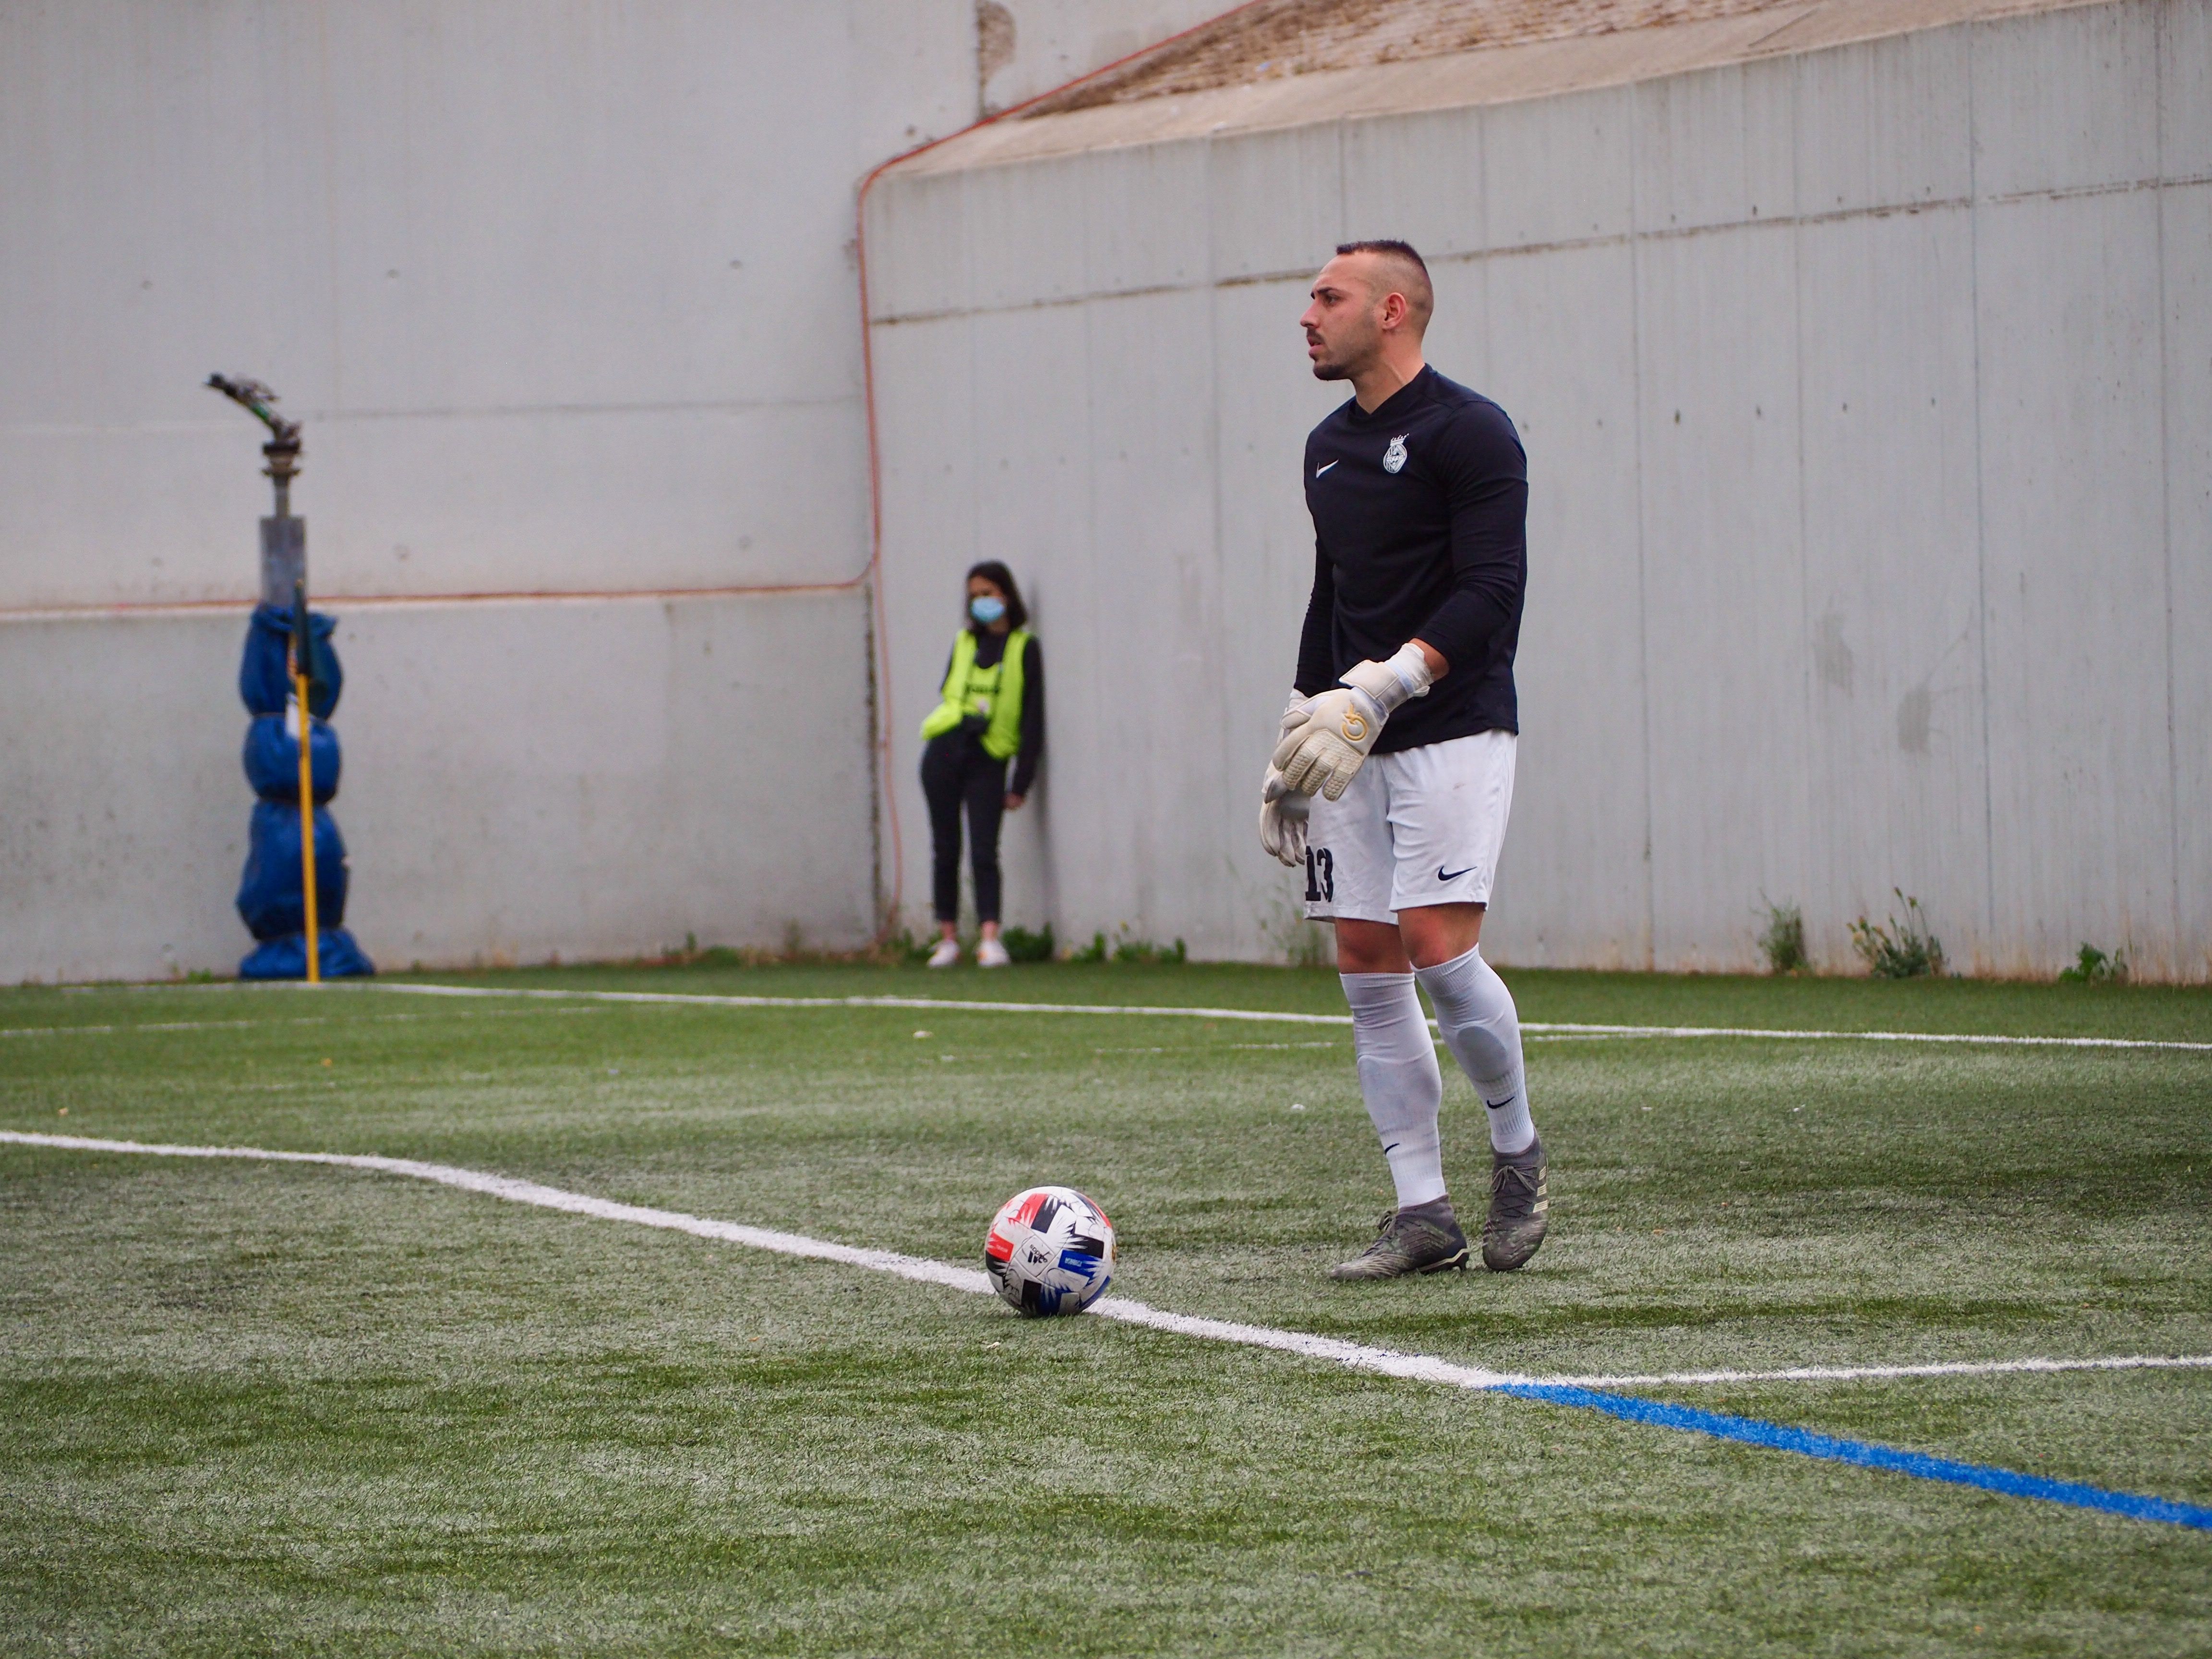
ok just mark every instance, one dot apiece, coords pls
pixel 955 771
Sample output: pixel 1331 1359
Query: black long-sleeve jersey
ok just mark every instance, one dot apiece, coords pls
pixel 1421 531
pixel 989 648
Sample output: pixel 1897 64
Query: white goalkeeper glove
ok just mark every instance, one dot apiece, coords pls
pixel 1282 809
pixel 1283 820
pixel 1327 741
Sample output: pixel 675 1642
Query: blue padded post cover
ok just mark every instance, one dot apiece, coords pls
pixel 287 958
pixel 263 678
pixel 268 892
pixel 272 759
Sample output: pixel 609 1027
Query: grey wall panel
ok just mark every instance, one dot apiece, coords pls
pixel 2185 233
pixel 2184 88
pixel 1146 213
pixel 2066 99
pixel 577 278
pixel 1884 125
pixel 1716 148
pixel 1458 341
pixel 398 507
pixel 1418 178
pixel 1723 587
pixel 402 506
pixel 1266 399
pixel 1277 200
pixel 599 778
pixel 1150 637
pixel 184 532
pixel 1891 563
pixel 1026 233
pixel 123 820
pixel 2073 494
pixel 918 245
pixel 1559 169
pixel 589 779
pixel 1574 883
pixel 930 537
pixel 1033 448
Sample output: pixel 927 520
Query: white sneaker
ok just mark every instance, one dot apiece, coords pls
pixel 946 953
pixel 992 954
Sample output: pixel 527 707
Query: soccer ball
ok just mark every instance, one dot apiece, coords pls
pixel 1050 1250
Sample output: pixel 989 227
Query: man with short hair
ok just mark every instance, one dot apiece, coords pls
pixel 1395 772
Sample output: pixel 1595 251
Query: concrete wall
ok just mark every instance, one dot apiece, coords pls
pixel 522 780
pixel 566 300
pixel 1869 413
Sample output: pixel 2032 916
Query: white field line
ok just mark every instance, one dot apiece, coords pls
pixel 550 1197
pixel 1533 1028
pixel 1573 1031
pixel 229 1024
pixel 959 1005
pixel 950 1005
pixel 1385 1362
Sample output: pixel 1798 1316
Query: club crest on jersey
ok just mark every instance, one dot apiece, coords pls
pixel 1393 458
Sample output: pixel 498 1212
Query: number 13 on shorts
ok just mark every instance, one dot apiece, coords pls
pixel 1321 875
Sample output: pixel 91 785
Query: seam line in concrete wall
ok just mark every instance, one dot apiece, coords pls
pixel 1796 221
pixel 1818 835
pixel 1642 587
pixel 154 611
pixel 322 417
pixel 2166 495
pixel 1981 504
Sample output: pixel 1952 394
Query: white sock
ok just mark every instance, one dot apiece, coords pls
pixel 1476 1014
pixel 1399 1080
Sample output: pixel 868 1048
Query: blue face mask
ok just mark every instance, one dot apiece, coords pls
pixel 987 608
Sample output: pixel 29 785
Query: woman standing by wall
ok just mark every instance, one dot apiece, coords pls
pixel 992 712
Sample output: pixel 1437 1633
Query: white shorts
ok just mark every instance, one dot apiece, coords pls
pixel 1422 826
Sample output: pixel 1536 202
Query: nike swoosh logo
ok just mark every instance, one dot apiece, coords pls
pixel 1320 470
pixel 1444 874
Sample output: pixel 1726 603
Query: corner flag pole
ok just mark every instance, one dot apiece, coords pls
pixel 301 648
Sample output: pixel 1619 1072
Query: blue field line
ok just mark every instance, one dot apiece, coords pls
pixel 1781 1437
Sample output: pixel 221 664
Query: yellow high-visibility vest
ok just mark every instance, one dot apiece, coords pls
pixel 992 694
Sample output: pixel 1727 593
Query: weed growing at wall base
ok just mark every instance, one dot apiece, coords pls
pixel 1783 942
pixel 1023 945
pixel 1123 949
pixel 2093 967
pixel 1899 949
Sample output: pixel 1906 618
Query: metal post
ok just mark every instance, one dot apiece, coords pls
pixel 283 538
pixel 284 581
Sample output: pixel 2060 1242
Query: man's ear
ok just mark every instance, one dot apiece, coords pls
pixel 1395 310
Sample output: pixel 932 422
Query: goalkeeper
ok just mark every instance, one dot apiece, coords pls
pixel 1394 771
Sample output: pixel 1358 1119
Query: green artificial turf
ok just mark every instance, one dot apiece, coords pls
pixel 258 1408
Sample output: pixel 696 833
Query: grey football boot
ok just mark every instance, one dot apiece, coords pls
pixel 1424 1239
pixel 1518 1202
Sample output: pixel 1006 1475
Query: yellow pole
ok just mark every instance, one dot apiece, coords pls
pixel 308 823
